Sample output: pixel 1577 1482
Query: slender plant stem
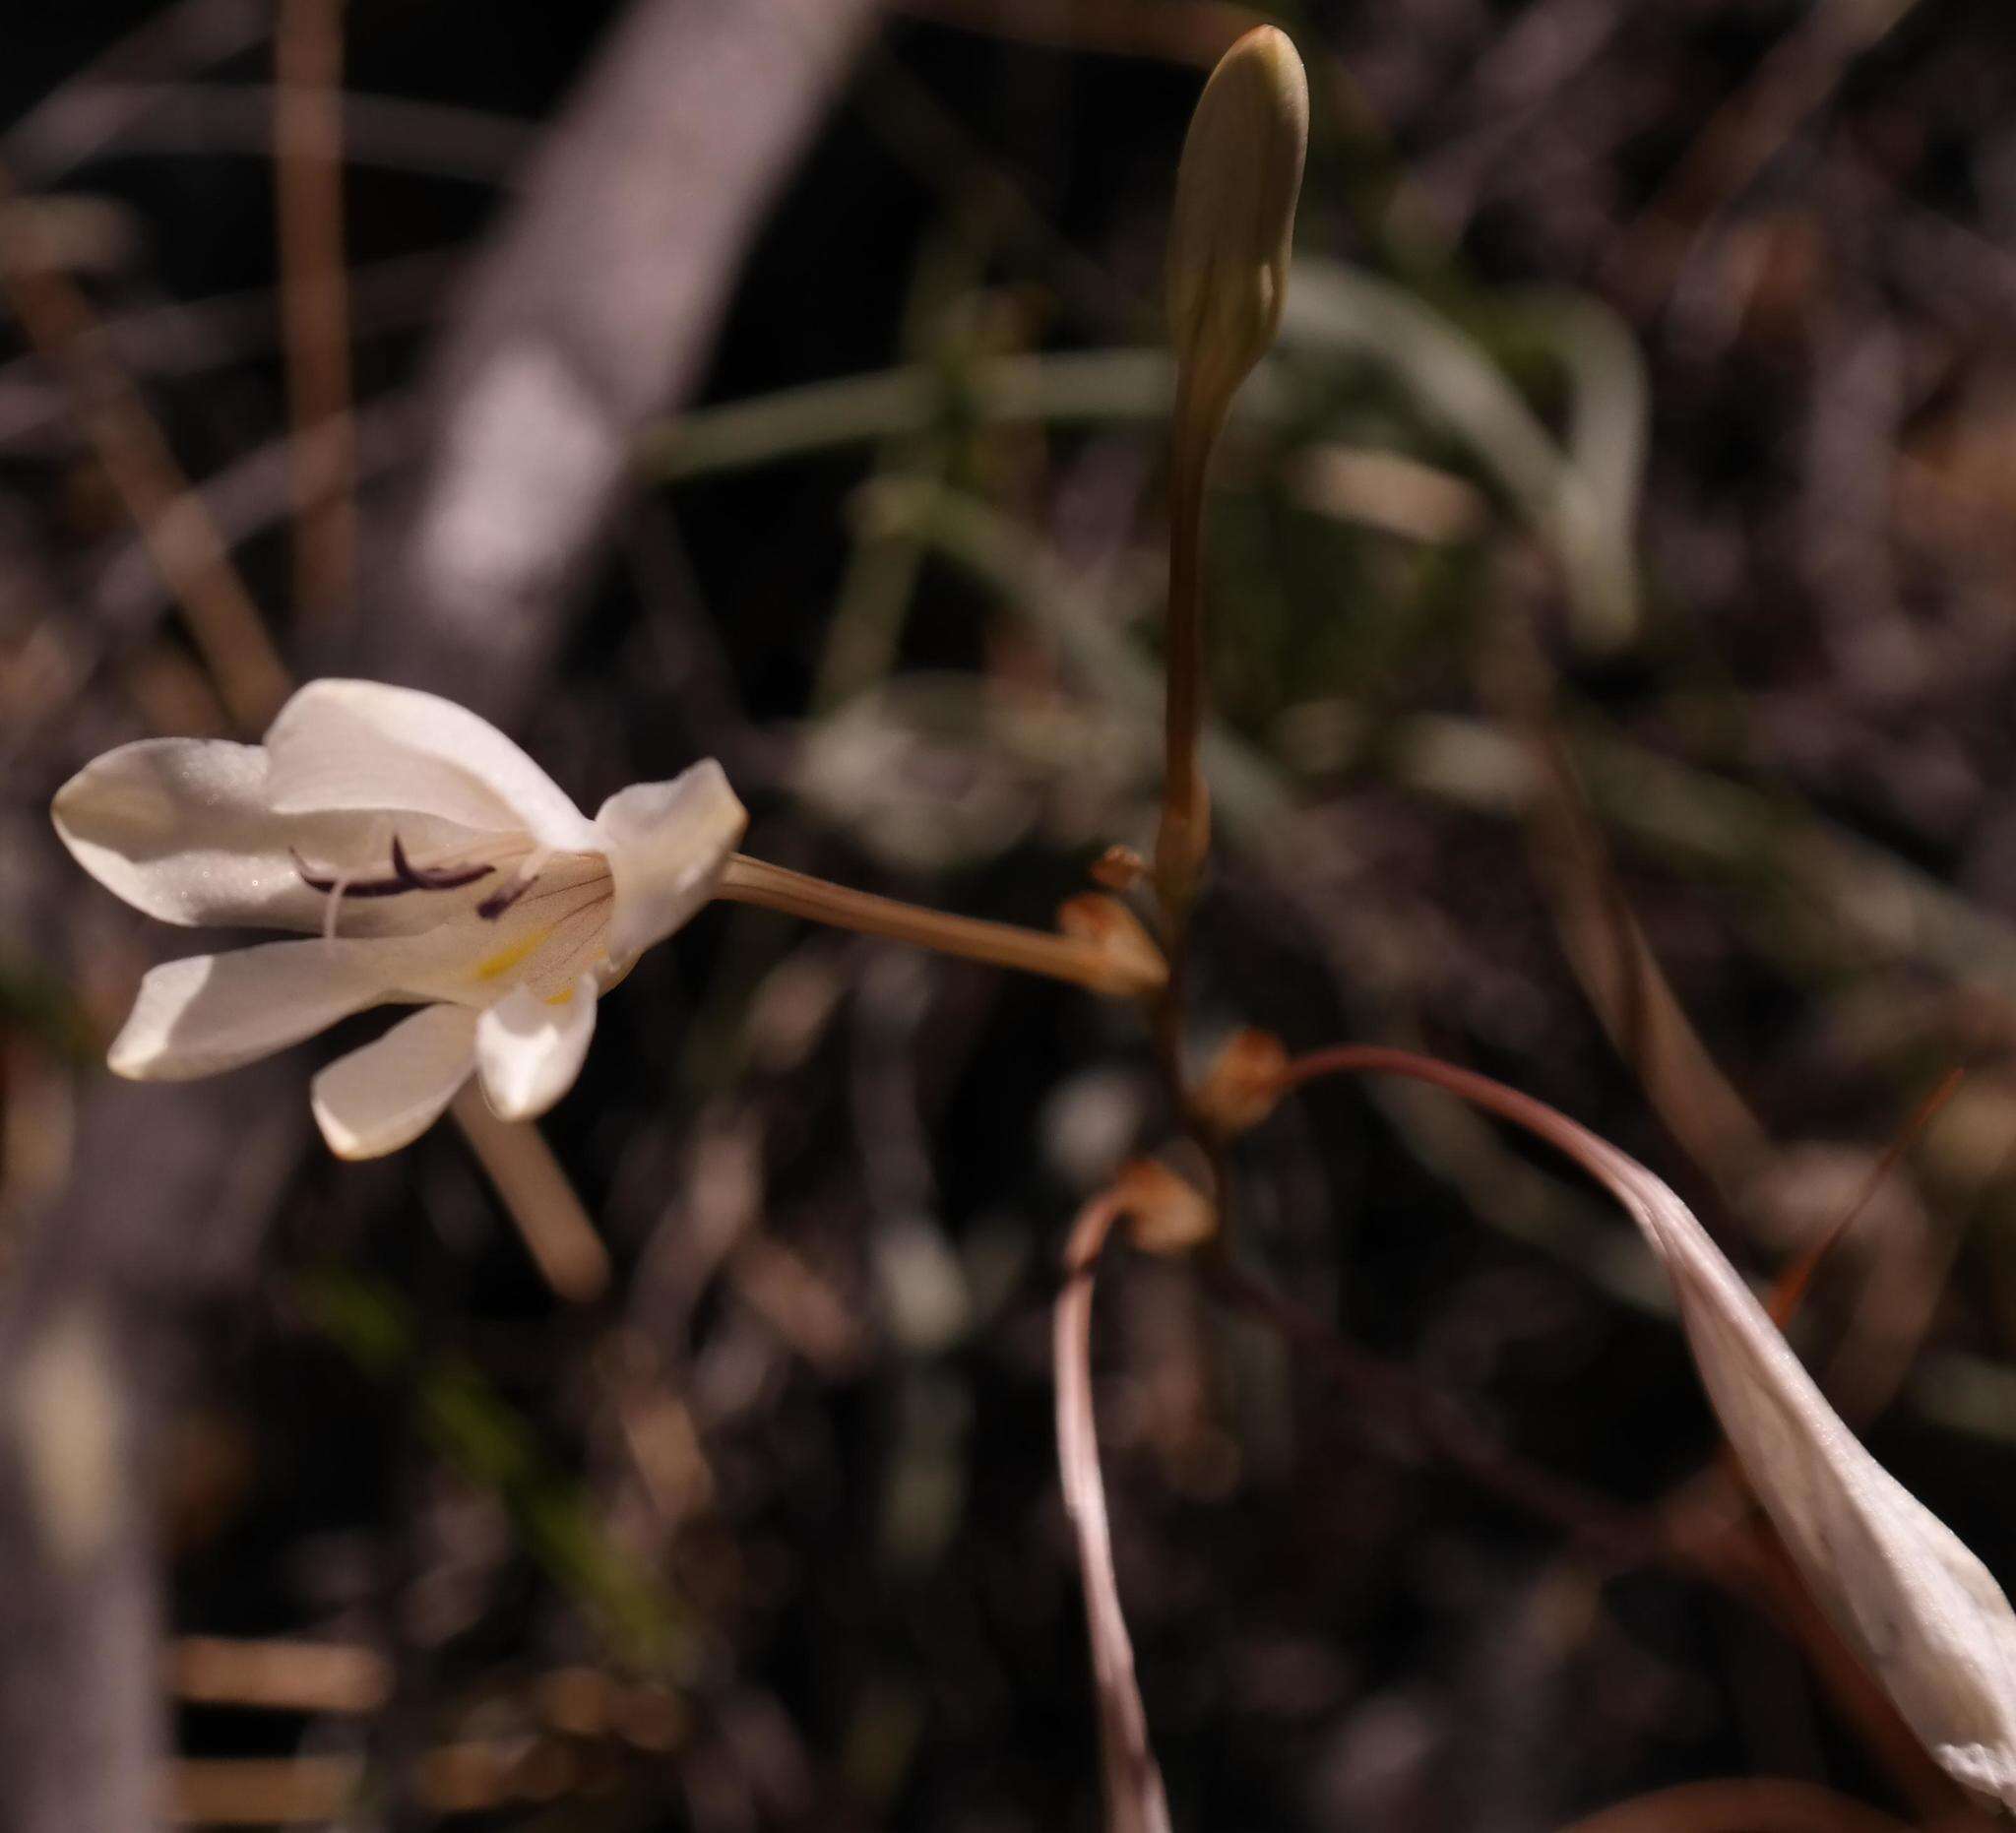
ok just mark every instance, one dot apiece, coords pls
pixel 1004 945
pixel 1187 809
pixel 1184 838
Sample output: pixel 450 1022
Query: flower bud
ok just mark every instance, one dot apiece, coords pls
pixel 1235 217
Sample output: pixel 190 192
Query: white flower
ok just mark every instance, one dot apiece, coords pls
pixel 441 867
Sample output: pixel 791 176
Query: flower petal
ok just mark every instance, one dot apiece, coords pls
pixel 363 745
pixel 181 829
pixel 528 1051
pixel 387 1094
pixel 208 1013
pixel 666 844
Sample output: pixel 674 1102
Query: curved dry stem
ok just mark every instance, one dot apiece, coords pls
pixel 1131 1781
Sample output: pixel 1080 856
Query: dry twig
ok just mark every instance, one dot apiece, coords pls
pixel 314 300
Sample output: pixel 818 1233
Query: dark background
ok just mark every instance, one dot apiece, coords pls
pixel 780 1506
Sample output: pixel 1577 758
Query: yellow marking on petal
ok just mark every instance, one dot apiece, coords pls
pixel 561 997
pixel 505 959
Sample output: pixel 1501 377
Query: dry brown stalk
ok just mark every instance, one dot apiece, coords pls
pixel 181 539
pixel 1791 1286
pixel 309 56
pixel 1742 138
pixel 539 1197
pixel 1600 933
